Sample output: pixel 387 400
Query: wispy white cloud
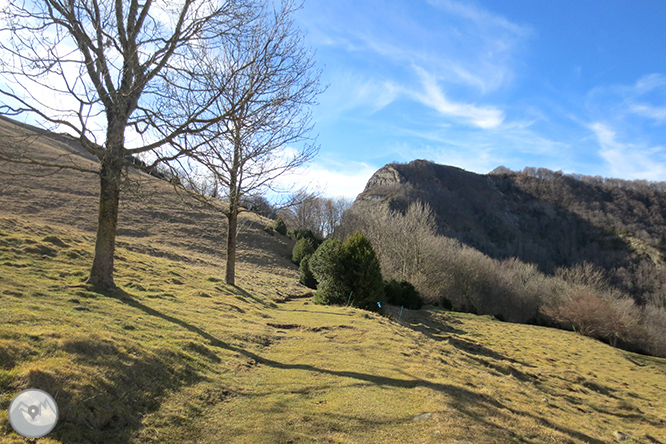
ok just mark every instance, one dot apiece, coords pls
pixel 482 151
pixel 331 178
pixel 432 96
pixel 638 99
pixel 629 160
pixel 650 82
pixel 481 16
pixel 622 126
pixel 470 49
pixel 657 113
pixel 356 91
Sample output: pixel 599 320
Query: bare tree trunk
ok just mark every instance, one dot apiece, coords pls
pixel 232 217
pixel 102 269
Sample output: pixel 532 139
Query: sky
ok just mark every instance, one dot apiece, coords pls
pixel 571 85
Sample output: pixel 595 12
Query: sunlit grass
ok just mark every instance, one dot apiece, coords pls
pixel 178 356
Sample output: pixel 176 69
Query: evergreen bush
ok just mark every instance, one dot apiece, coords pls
pixel 305 275
pixel 302 249
pixel 280 226
pixel 402 294
pixel 348 269
pixel 304 233
pixel 328 266
pixel 364 273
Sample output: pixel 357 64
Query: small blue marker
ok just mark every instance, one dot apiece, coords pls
pixel 379 304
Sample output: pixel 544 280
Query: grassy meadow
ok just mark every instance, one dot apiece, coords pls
pixel 177 356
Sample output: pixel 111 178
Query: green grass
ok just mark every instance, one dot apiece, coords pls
pixel 178 356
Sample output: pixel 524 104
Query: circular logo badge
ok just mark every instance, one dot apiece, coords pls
pixel 33 413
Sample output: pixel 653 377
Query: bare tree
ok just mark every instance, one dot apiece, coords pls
pixel 121 68
pixel 400 239
pixel 271 83
pixel 310 211
pixel 332 211
pixel 304 213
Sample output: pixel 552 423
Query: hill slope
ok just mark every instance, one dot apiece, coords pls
pixel 153 218
pixel 548 219
pixel 178 356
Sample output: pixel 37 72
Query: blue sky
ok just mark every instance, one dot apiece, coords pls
pixel 576 85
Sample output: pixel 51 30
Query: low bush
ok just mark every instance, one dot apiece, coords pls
pixel 364 273
pixel 328 268
pixel 303 248
pixel 305 275
pixel 349 269
pixel 303 233
pixel 280 226
pixel 402 294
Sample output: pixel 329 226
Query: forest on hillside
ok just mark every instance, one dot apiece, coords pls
pixel 629 217
pixel 541 217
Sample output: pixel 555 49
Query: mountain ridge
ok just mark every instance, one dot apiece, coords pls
pixel 539 216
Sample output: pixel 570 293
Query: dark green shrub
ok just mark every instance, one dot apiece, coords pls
pixel 445 303
pixel 305 275
pixel 364 273
pixel 328 266
pixel 280 226
pixel 402 294
pixel 303 233
pixel 348 269
pixel 302 248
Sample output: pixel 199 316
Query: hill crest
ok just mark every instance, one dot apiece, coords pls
pixel 539 216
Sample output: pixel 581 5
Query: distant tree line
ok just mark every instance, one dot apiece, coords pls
pixel 629 215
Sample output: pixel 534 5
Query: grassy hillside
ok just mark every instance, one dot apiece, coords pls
pixel 178 356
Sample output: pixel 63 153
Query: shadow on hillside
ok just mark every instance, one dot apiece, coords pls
pixel 290 310
pixel 438 327
pixel 475 405
pixel 245 295
pixel 441 327
pixel 128 383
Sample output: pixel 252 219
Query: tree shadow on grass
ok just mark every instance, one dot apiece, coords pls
pixel 435 327
pixel 474 405
pixel 120 383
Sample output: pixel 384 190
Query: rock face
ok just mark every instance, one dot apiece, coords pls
pixel 494 215
pixel 382 184
pixel 385 176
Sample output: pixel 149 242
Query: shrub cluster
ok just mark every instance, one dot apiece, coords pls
pixel 303 233
pixel 348 271
pixel 402 294
pixel 301 250
pixel 305 275
pixel 280 226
